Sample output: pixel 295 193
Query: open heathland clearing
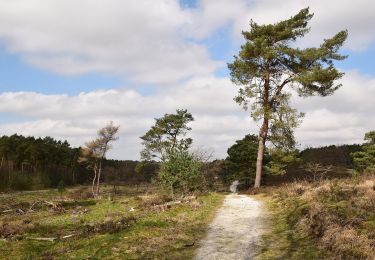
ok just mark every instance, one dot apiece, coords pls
pixel 133 224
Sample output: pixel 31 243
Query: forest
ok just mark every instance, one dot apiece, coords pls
pixel 30 163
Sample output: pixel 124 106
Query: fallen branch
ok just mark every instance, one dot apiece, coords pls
pixel 20 211
pixel 7 210
pixel 54 206
pixel 68 236
pixel 51 204
pixel 189 245
pixel 50 239
pixel 31 207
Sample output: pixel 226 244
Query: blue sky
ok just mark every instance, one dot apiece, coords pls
pixel 16 75
pixel 65 73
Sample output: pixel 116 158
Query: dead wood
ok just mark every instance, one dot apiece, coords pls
pixel 50 239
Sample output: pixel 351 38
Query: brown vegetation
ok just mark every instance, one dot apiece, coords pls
pixel 338 214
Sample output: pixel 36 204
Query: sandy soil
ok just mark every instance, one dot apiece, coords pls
pixel 236 230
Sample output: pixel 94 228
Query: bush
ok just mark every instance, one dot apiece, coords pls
pixel 180 172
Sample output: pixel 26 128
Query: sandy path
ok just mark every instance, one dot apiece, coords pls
pixel 235 232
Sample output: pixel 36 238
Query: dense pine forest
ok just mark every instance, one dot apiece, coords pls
pixel 35 163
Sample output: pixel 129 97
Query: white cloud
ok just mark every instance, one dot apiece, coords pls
pixel 330 17
pixel 156 42
pixel 341 118
pixel 219 121
pixel 141 40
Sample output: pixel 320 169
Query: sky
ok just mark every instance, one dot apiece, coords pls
pixel 68 67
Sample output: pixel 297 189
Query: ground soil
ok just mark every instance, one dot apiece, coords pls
pixel 236 231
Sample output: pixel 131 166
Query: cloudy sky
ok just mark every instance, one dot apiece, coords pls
pixel 69 66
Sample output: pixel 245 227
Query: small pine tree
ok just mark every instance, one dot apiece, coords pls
pixel 364 161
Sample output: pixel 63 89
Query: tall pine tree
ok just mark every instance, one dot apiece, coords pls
pixel 268 66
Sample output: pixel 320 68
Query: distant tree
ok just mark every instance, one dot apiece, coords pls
pixel 280 159
pixel 268 65
pixel 365 160
pixel 168 134
pixel 240 162
pixel 93 153
pixel 318 170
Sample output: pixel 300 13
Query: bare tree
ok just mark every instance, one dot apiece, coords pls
pixel 317 169
pixel 94 152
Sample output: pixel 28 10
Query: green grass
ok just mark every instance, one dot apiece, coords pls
pixel 282 240
pixel 169 234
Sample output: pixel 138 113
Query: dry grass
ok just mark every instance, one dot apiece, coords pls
pixel 338 214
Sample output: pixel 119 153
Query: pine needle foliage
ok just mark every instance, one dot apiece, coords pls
pixel 269 67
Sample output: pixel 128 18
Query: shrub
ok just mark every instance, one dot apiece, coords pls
pixel 180 172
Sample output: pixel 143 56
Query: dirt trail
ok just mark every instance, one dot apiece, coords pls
pixel 236 230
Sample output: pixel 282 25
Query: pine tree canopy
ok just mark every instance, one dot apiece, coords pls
pixel 167 134
pixel 268 50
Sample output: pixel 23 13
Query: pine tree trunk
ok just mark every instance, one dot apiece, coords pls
pixel 261 148
pixel 263 130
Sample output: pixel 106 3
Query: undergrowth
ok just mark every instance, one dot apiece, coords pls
pixel 330 219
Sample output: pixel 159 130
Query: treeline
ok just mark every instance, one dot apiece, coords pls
pixel 129 172
pixel 29 162
pixel 340 155
pixel 34 163
pixel 335 161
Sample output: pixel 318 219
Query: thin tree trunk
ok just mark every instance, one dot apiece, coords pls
pixel 98 180
pixel 9 173
pixel 261 148
pixel 93 182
